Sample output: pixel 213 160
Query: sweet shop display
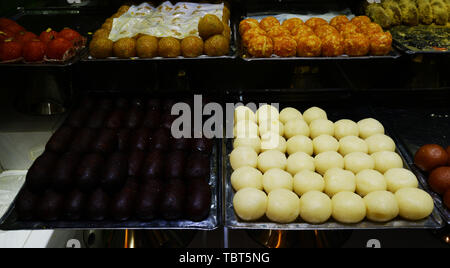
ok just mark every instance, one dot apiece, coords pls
pixel 343 171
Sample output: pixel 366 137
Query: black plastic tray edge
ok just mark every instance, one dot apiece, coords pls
pixel 92 225
pixel 408 51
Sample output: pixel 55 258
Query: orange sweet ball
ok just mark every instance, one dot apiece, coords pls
pixel 261 47
pixel 380 44
pixel 268 23
pixel 325 30
pixel 302 31
pixel 250 34
pixel 356 45
pixel 348 29
pixel 285 46
pixel 315 22
pixel 360 20
pixel 332 45
pixel 247 24
pixel 278 31
pixel 371 28
pixel 338 20
pixel 309 46
pixel 292 23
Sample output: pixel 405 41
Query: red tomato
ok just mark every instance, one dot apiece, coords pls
pixel 48 35
pixel 34 50
pixel 10 50
pixel 57 48
pixel 70 35
pixel 25 37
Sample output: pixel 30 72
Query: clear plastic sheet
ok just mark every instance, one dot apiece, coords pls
pixel 10 184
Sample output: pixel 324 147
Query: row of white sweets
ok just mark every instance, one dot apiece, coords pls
pixel 325 183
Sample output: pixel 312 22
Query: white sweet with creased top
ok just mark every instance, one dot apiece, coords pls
pixel 167 20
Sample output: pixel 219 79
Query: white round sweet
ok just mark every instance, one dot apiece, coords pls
pixel 314 113
pixel 369 127
pixel 321 127
pixel 283 206
pixel 250 204
pixel 242 113
pixel 300 143
pixel 344 128
pixel 271 126
pixel 306 181
pixel 288 114
pixel 381 206
pixel 414 204
pixel 300 161
pixel 328 160
pixel 246 129
pixel 315 207
pixel 338 180
pixel 271 159
pixel 398 178
pixel 267 112
pixel 357 161
pixel 296 127
pixel 348 207
pixel 368 181
pixel 254 143
pixel 246 177
pixel 243 156
pixel 379 143
pixel 351 144
pixel 276 178
pixel 325 143
pixel 273 141
pixel 387 160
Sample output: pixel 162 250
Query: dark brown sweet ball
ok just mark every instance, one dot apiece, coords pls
pixel 106 141
pixel 167 120
pixel 175 164
pixel 115 172
pixel 115 119
pixel 123 139
pixel 123 204
pixel 198 201
pixel 77 118
pixel 153 104
pixel 153 165
pixel 98 118
pixel 74 205
pixel 203 145
pixel 89 172
pixel 168 104
pixel 106 104
pixel 50 206
pixel 122 104
pixel 64 172
pixel 87 103
pixel 97 208
pixel 182 144
pixel 39 175
pixel 26 204
pixel 60 140
pixel 173 201
pixel 137 103
pixel 439 180
pixel 135 160
pixel 198 166
pixel 149 199
pixel 141 139
pixel 161 139
pixel 83 139
pixel 152 119
pixel 430 156
pixel 134 117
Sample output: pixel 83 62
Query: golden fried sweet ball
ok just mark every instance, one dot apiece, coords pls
pixel 108 25
pixel 216 46
pixel 313 23
pixel 371 28
pixel 192 47
pixel 278 31
pixel 360 20
pixel 284 46
pixel 252 33
pixel 101 48
pixel 209 25
pixel 261 47
pixel 101 33
pixel 338 20
pixel 246 25
pixel 268 23
pixel 226 31
pixel 292 23
pixel 348 29
pixel 147 46
pixel 356 45
pixel 169 47
pixel 302 30
pixel 125 48
pixel 309 46
pixel 324 30
pixel 124 8
pixel 380 44
pixel 226 14
pixel 332 45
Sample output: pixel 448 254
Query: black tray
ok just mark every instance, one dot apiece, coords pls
pixel 402 47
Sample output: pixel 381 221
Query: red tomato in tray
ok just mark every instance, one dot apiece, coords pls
pixel 10 50
pixel 25 37
pixel 57 48
pixel 70 35
pixel 34 51
pixel 48 35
